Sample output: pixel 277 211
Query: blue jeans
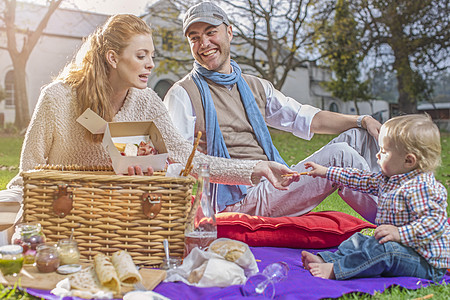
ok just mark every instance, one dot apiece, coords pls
pixel 364 256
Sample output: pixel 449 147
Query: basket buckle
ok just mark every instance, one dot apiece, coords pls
pixel 151 204
pixel 62 201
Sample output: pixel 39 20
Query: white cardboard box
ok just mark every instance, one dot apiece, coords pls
pixel 127 132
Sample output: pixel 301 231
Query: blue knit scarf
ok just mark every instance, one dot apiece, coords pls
pixel 231 194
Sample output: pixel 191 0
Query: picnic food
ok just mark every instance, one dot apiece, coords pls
pixel 86 280
pixel 231 250
pixel 29 236
pixel 130 149
pixel 47 259
pixel 126 270
pixel 295 173
pixel 106 272
pixel 11 259
pixel 68 252
pixel 197 273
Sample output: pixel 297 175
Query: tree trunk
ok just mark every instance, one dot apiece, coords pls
pixel 20 57
pixel 355 101
pixel 20 96
pixel 407 103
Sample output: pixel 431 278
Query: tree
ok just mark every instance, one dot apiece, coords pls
pixel 343 57
pixel 20 57
pixel 417 33
pixel 2 94
pixel 408 38
pixel 271 37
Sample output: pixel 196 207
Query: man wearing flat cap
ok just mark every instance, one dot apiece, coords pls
pixel 233 111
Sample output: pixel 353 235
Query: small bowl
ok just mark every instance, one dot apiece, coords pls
pixel 172 263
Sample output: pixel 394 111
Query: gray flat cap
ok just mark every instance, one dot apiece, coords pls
pixel 206 12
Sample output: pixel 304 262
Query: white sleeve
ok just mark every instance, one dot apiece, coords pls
pixel 285 113
pixel 181 111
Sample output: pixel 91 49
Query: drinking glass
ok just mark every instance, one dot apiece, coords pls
pixel 263 284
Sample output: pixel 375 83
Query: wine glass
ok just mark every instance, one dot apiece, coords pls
pixel 263 284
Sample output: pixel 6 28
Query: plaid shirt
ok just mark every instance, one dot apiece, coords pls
pixel 414 202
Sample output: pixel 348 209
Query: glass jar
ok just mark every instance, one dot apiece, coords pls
pixel 47 258
pixel 29 236
pixel 11 259
pixel 68 252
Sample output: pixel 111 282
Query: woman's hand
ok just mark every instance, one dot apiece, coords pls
pixel 273 171
pixel 317 170
pixel 137 170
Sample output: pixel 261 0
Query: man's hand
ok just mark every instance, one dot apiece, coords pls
pixel 372 126
pixel 387 233
pixel 317 170
pixel 273 171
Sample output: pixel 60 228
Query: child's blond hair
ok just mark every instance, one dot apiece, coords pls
pixel 416 134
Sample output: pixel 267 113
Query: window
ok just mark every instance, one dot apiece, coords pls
pixel 162 87
pixel 9 89
pixel 334 107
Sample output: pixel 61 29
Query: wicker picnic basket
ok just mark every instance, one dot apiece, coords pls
pixel 108 212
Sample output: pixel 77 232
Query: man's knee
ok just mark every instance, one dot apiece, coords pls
pixel 342 155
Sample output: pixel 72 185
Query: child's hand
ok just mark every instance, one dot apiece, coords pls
pixel 387 233
pixel 317 170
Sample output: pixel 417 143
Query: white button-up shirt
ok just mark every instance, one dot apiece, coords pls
pixel 282 112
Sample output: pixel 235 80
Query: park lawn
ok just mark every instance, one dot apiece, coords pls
pixel 292 150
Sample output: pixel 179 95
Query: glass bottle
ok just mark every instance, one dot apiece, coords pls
pixel 11 259
pixel 47 258
pixel 201 228
pixel 29 236
pixel 68 252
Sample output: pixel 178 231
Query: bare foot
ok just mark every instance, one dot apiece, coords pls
pixel 322 270
pixel 308 258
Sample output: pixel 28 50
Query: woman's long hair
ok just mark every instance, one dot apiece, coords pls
pixel 88 72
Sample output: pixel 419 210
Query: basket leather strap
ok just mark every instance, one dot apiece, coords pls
pixel 151 204
pixel 63 201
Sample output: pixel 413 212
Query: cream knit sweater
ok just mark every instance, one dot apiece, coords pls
pixel 55 137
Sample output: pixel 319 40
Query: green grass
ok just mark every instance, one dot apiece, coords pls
pixel 292 150
pixel 10 147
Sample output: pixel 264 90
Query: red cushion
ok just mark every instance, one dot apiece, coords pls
pixel 312 230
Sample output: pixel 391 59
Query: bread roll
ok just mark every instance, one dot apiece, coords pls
pixel 229 249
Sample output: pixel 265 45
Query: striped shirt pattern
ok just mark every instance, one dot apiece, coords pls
pixel 415 202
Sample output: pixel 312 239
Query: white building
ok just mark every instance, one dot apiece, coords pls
pixel 66 29
pixel 55 48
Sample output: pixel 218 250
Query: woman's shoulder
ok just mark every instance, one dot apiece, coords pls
pixel 56 86
pixel 56 91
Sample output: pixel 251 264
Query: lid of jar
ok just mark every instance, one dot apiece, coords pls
pixel 46 246
pixel 67 242
pixel 68 269
pixel 11 249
